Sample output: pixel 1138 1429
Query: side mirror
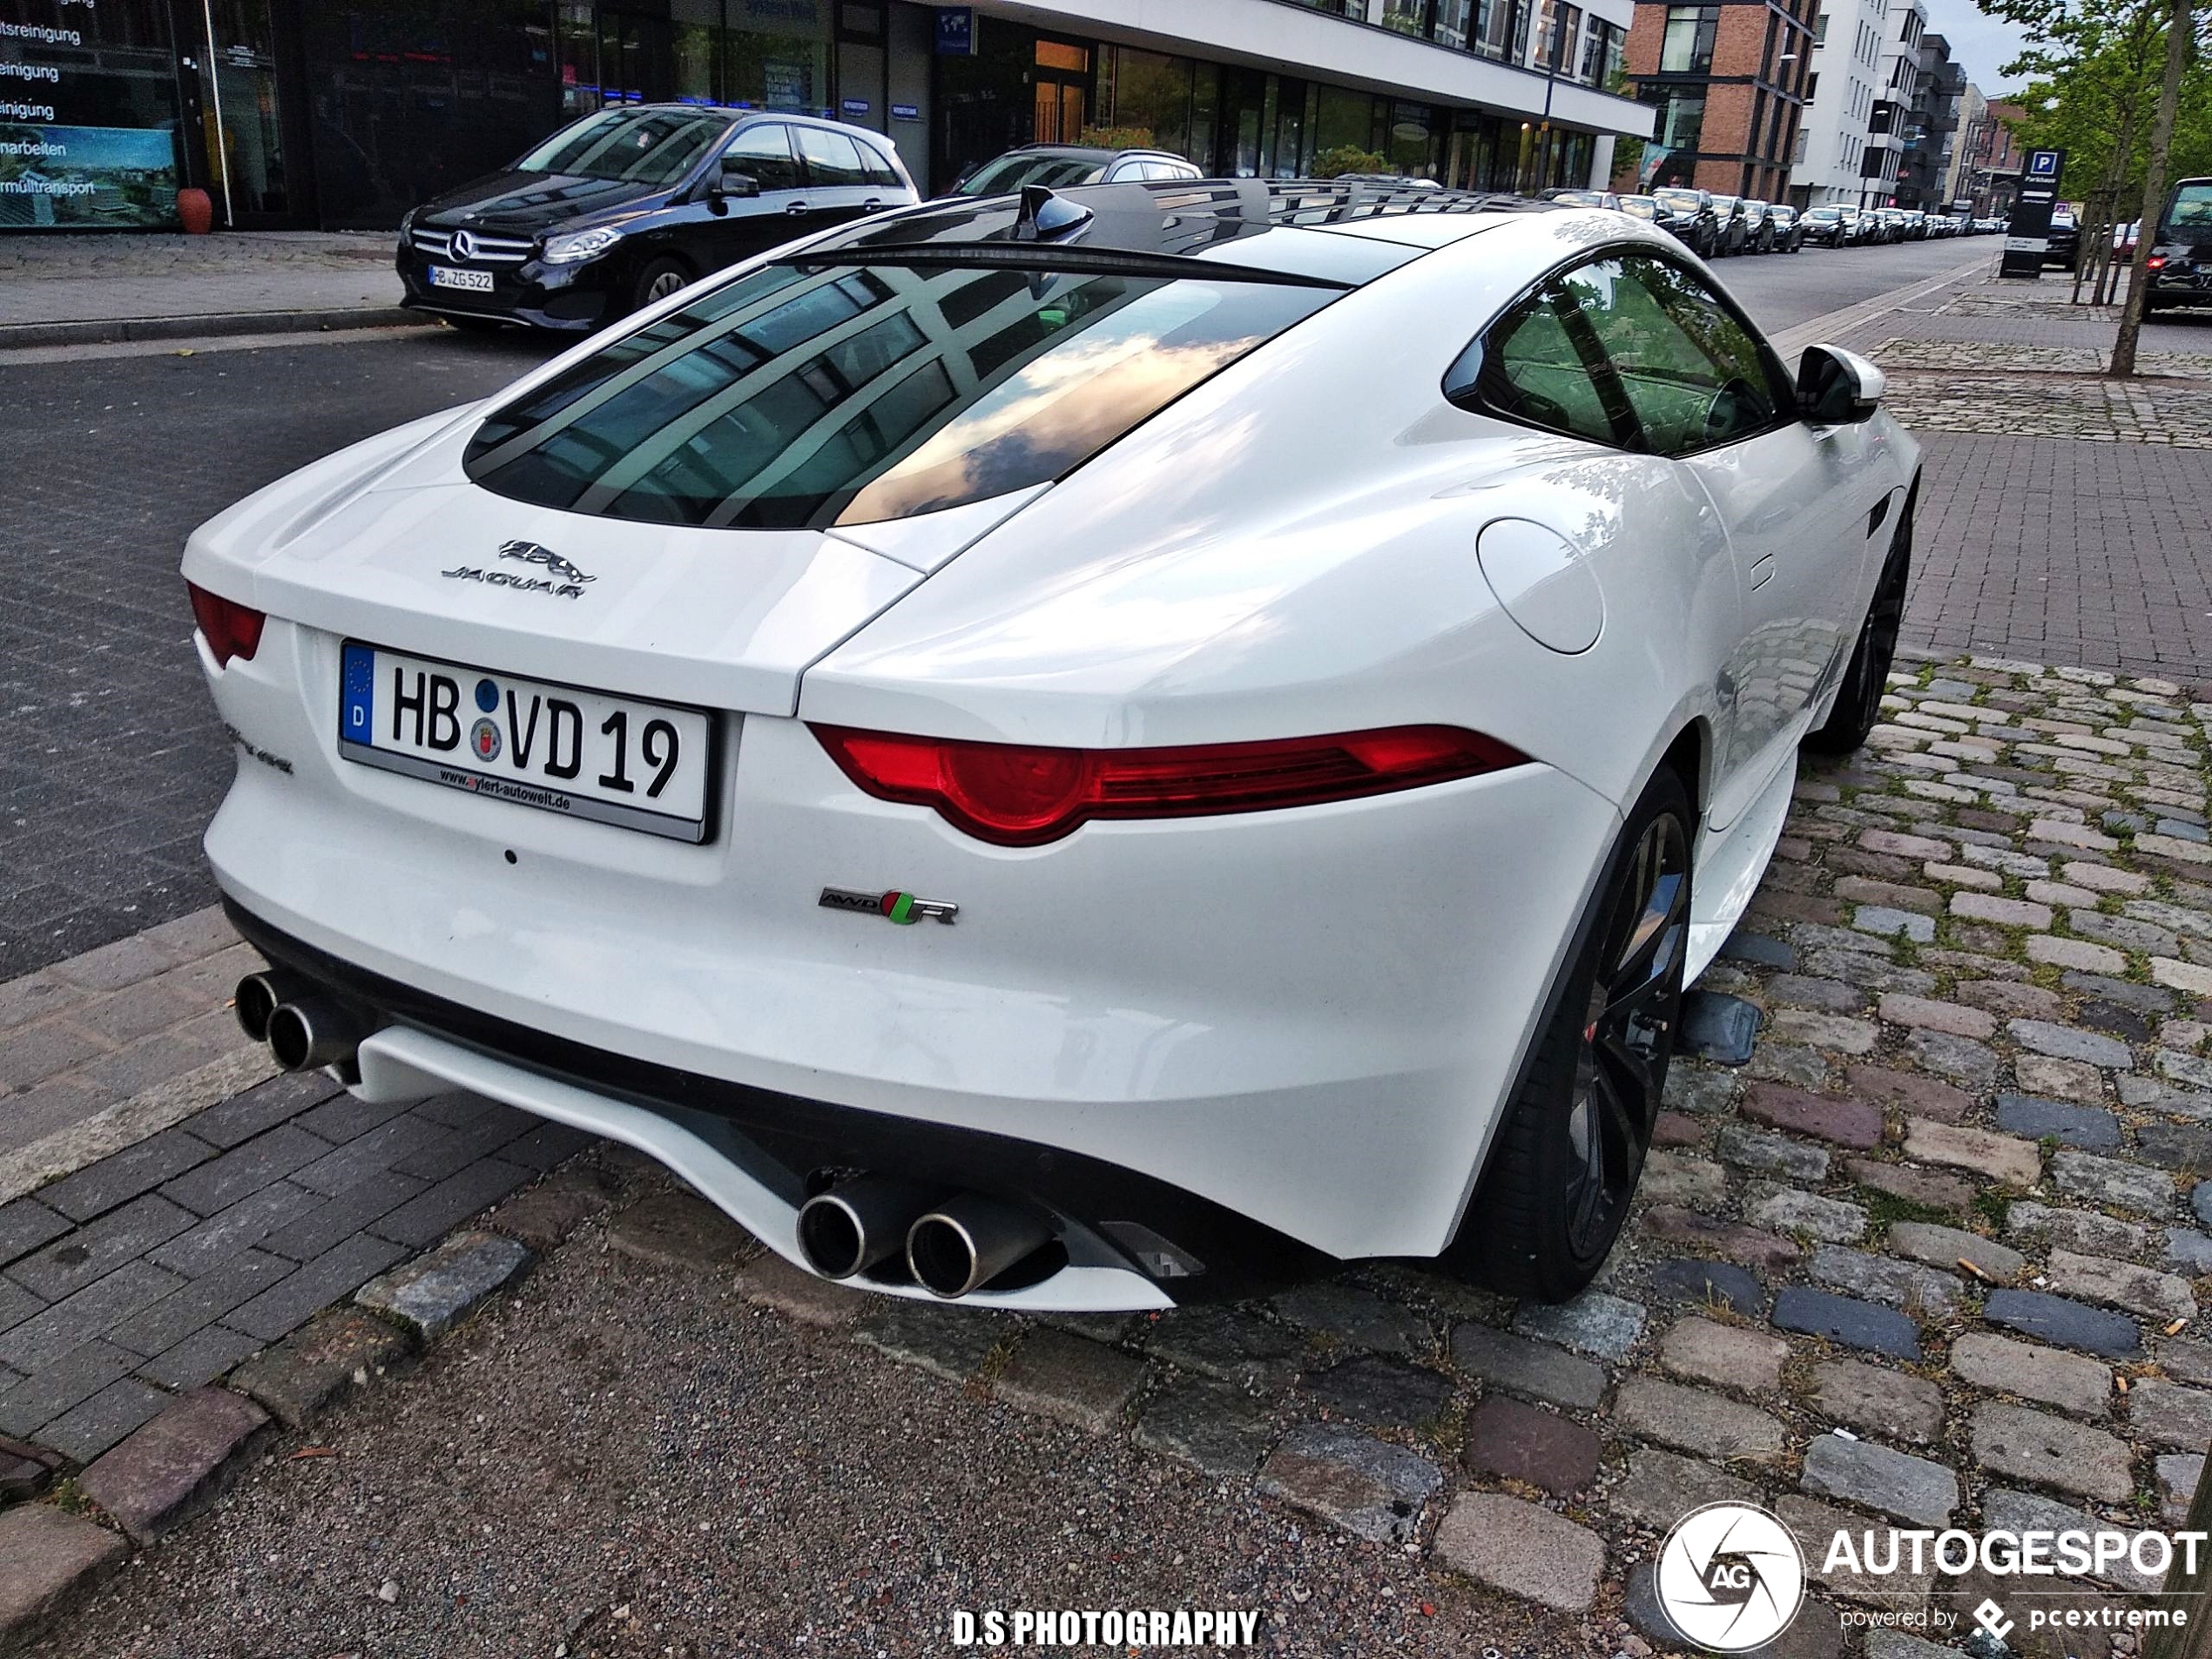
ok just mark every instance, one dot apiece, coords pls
pixel 1836 387
pixel 734 180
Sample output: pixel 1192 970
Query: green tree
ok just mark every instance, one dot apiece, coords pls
pixel 2121 85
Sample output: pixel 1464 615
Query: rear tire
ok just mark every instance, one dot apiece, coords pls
pixel 1571 1145
pixel 1858 707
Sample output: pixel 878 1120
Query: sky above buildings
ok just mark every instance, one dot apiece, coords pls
pixel 1980 44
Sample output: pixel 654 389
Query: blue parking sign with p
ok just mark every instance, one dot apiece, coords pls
pixel 2044 164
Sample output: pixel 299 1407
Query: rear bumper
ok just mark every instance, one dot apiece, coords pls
pixel 1307 1019
pixel 753 1150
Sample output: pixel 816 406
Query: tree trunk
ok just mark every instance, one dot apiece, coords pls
pixel 2184 1591
pixel 2181 28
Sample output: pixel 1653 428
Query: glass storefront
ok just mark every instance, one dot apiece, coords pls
pixel 409 103
pixel 346 112
pixel 244 146
pixel 756 54
pixel 90 131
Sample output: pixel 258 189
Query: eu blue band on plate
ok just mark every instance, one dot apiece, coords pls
pixel 357 691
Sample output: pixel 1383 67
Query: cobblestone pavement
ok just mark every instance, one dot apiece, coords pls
pixel 2047 392
pixel 1934 1255
pixel 70 278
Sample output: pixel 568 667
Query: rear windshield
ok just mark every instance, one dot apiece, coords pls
pixel 803 397
pixel 2192 208
pixel 641 147
pixel 1011 172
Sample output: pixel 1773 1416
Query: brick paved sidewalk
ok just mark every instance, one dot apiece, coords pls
pixel 2062 515
pixel 49 283
pixel 1935 1255
pixel 168 1205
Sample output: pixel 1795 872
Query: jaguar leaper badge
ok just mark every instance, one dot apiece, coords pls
pixel 901 908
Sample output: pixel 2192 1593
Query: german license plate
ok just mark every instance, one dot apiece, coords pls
pixel 444 276
pixel 614 760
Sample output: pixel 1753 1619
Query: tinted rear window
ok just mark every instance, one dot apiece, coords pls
pixel 2192 208
pixel 1011 172
pixel 806 397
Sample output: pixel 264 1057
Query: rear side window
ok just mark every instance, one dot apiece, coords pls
pixel 765 152
pixel 1694 376
pixel 810 396
pixel 878 169
pixel 832 159
pixel 2192 209
pixel 1531 368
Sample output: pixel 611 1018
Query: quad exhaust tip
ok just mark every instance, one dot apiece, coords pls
pixel 963 1245
pixel 853 1227
pixel 258 996
pixel 311 1032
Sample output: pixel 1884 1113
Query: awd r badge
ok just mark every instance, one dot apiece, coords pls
pixel 901 908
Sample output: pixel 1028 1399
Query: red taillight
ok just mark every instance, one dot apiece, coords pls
pixel 2156 262
pixel 231 629
pixel 1019 796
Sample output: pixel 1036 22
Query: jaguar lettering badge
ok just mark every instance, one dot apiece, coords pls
pixel 532 553
pixel 563 580
pixel 901 908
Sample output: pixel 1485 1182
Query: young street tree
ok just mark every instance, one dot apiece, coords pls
pixel 2180 36
pixel 2098 67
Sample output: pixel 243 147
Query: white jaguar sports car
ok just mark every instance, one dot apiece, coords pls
pixel 1082 751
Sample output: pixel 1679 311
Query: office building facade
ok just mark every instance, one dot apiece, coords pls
pixel 1726 83
pixel 343 113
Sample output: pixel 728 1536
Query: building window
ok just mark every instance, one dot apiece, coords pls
pixel 1496 25
pixel 1600 46
pixel 1153 92
pixel 1454 25
pixel 1681 119
pixel 1687 47
pixel 1566 23
pixel 1407 16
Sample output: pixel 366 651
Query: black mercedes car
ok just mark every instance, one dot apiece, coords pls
pixel 2181 260
pixel 1687 215
pixel 624 206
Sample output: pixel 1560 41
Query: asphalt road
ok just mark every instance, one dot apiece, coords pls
pixel 1781 291
pixel 117 762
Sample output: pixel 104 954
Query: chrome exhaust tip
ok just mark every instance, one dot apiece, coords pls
pixel 850 1228
pixel 311 1032
pixel 963 1245
pixel 258 996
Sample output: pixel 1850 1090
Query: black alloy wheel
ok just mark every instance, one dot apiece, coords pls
pixel 1570 1146
pixel 1634 1004
pixel 1858 701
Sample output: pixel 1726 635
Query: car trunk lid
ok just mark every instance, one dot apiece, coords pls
pixel 423 561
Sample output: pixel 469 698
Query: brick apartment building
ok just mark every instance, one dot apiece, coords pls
pixel 1727 83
